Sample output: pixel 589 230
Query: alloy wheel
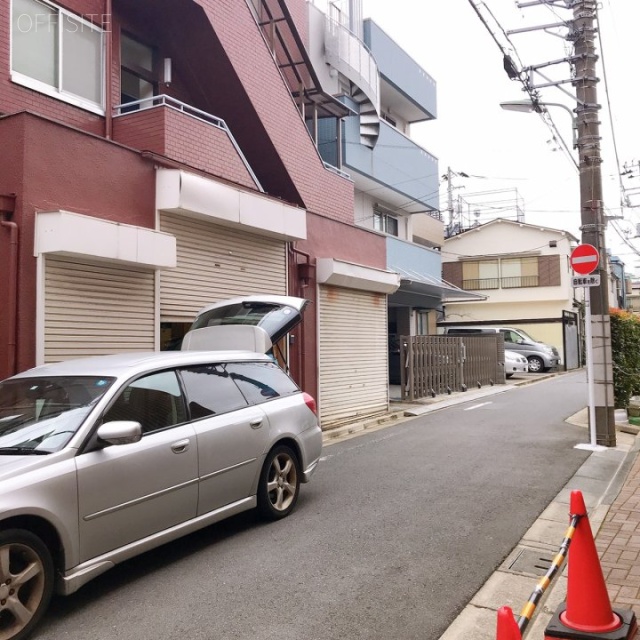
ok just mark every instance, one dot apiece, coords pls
pixel 282 483
pixel 22 587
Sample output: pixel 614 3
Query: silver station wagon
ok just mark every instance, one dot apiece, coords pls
pixel 104 458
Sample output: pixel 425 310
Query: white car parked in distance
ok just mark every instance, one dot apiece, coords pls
pixel 514 363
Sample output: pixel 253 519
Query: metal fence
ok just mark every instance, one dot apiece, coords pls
pixel 434 365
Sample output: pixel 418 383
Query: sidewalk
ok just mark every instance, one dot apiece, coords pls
pixel 618 543
pixel 610 483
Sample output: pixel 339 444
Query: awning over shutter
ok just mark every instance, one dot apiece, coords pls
pixel 353 354
pixel 212 200
pixel 421 290
pixel 96 308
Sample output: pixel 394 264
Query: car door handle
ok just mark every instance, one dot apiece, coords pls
pixel 256 423
pixel 180 447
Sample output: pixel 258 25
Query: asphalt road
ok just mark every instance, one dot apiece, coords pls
pixel 395 533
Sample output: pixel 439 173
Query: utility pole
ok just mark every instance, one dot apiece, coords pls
pixel 583 33
pixel 450 199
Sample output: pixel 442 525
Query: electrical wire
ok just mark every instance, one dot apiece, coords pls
pixel 534 96
pixel 606 91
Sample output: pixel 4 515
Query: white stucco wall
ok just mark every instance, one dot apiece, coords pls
pixel 504 239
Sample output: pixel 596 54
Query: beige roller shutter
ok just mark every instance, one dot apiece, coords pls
pixel 215 263
pixel 353 354
pixel 96 308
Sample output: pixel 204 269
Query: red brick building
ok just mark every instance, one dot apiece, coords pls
pixel 158 156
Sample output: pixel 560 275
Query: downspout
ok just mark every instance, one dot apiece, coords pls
pixel 303 279
pixel 7 206
pixel 107 25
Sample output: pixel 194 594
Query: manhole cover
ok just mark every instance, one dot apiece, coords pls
pixel 531 561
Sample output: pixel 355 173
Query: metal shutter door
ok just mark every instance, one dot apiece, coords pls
pixel 215 263
pixel 96 308
pixel 353 354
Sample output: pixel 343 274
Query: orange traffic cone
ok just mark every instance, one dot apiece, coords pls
pixel 507 626
pixel 588 613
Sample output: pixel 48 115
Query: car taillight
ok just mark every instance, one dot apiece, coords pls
pixel 309 401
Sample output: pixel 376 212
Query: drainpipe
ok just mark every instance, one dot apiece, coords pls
pixel 7 206
pixel 303 276
pixel 107 25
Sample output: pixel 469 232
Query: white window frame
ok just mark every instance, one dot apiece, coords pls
pixel 55 92
pixel 384 217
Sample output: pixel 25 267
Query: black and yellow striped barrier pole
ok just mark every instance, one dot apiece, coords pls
pixel 545 581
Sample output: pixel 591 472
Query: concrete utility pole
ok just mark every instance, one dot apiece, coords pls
pixel 450 199
pixel 583 33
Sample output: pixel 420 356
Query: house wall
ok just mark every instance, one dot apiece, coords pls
pixel 328 239
pixel 14 97
pixel 235 27
pixel 505 240
pixel 188 140
pixel 58 167
pixel 422 226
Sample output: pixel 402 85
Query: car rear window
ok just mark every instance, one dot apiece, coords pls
pixel 261 381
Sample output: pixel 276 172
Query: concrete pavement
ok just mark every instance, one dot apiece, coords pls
pixel 610 483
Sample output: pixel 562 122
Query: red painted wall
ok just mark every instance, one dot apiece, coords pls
pixel 53 167
pixel 14 97
pixel 326 239
pixel 184 139
pixel 251 59
pixel 300 14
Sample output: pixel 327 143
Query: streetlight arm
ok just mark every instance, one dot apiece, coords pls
pixel 526 106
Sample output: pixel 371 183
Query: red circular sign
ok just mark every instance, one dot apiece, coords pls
pixel 584 259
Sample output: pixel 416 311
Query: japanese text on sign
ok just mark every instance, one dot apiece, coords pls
pixel 586 281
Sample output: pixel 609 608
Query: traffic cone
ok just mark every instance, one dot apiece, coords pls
pixel 507 626
pixel 587 613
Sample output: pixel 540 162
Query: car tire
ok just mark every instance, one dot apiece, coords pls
pixel 508 375
pixel 536 364
pixel 279 483
pixel 26 582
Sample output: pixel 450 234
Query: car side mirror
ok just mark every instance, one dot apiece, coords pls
pixel 120 432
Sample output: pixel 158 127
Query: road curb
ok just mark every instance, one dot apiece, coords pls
pixel 506 587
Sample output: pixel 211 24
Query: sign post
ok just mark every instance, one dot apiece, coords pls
pixel 584 260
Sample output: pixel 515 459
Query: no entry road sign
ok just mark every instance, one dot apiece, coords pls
pixel 584 259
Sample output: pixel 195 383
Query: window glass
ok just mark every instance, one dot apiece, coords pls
pixel 273 318
pixel 34 41
pixel 137 77
pixel 60 52
pixel 82 60
pixel 40 415
pixel 261 381
pixel 134 54
pixel 210 391
pixel 154 401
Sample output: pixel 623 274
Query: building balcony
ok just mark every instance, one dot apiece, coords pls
pixel 405 87
pixel 165 126
pixel 346 53
pixel 397 170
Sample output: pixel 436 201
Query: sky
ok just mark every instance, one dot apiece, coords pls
pixel 506 151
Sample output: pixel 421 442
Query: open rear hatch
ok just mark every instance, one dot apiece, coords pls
pixel 253 323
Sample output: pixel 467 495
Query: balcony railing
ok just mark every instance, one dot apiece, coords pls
pixel 347 53
pixel 477 284
pixel 163 100
pixel 517 282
